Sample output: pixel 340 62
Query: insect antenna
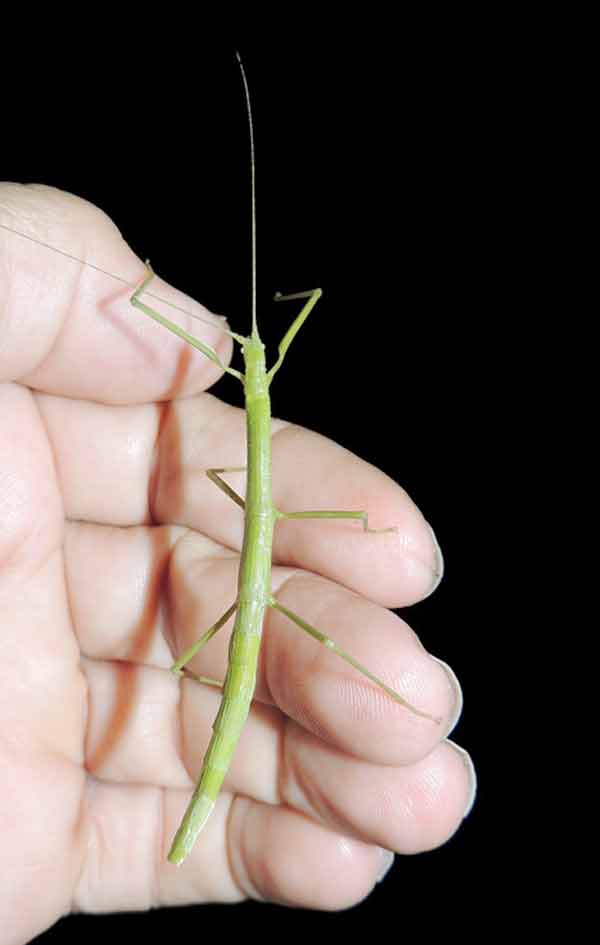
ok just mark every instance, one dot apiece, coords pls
pixel 253 192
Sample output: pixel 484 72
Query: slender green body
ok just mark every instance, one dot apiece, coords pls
pixel 254 592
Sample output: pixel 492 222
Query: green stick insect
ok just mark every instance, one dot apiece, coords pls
pixel 254 582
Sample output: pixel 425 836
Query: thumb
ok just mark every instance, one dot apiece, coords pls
pixel 67 328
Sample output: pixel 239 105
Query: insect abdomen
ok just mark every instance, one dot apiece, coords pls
pixel 238 690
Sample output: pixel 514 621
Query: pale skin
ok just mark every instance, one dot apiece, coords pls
pixel 116 552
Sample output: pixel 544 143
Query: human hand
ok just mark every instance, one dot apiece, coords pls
pixel 116 552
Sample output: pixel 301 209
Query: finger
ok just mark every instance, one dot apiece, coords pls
pixel 159 462
pixel 305 680
pixel 246 850
pixel 41 688
pixel 147 727
pixel 278 856
pixel 406 808
pixel 69 329
pixel 312 685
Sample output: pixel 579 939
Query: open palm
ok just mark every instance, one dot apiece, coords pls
pixel 116 552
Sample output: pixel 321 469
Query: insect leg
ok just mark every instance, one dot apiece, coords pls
pixel 176 329
pixel 313 296
pixel 204 680
pixel 332 645
pixel 193 649
pixel 362 516
pixel 213 475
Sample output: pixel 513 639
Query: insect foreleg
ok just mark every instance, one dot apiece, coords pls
pixel 313 296
pixel 176 329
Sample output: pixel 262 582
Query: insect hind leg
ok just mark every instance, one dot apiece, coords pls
pixel 332 645
pixel 191 651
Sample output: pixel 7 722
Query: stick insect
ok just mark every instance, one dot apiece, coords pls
pixel 254 594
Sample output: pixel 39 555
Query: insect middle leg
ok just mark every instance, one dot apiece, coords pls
pixel 334 513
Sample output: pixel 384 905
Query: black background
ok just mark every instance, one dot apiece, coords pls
pixel 383 175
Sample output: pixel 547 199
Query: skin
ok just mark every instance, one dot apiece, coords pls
pixel 116 552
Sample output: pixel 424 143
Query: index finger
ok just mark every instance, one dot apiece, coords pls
pixel 68 328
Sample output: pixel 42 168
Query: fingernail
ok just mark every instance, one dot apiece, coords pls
pixel 455 686
pixel 468 763
pixel 438 566
pixel 387 861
